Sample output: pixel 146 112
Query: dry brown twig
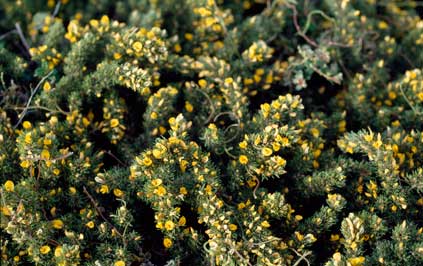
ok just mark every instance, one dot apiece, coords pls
pixel 22 37
pixel 33 92
pixel 99 212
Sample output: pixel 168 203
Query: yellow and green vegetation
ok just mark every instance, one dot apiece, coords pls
pixel 211 132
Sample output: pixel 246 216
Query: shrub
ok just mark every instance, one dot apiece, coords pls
pixel 211 132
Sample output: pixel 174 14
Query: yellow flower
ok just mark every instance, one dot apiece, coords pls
pixel 169 225
pixel 183 191
pixel 147 161
pixel 137 46
pixel 243 144
pixel 105 20
pixel 9 186
pixel 276 146
pixel 382 25
pixel 25 164
pixel 189 107
pixel 156 182
pixel 266 151
pixel 177 47
pixel 202 83
pixel 183 165
pixel 90 224
pixel 202 11
pixel 44 249
pixel 299 236
pixel 280 161
pixel 182 221
pixel 157 153
pixel 251 182
pixel 117 56
pixel 58 251
pixel 6 211
pixel 377 143
pixel 153 115
pixel 28 138
pixel 265 224
pixel 104 189
pixel 114 122
pixel 57 224
pixel 315 132
pixel 189 36
pixel 208 189
pixel 119 263
pixel 241 206
pixel 167 242
pixel 233 227
pixel 357 261
pixel 26 125
pixel 334 237
pixel 243 159
pixel 45 154
pixel 46 86
pixel 337 256
pixel 118 193
pixel 160 191
pixel 72 190
pixel 229 80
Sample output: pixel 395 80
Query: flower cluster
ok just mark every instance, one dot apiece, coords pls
pixel 211 132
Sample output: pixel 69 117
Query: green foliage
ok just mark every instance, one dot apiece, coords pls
pixel 211 132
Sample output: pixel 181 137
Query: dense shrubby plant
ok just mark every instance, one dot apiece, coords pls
pixel 211 132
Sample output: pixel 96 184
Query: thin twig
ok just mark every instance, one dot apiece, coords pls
pixel 240 256
pixel 53 242
pixel 54 14
pixel 411 4
pixel 56 9
pixel 234 136
pixel 3 36
pixel 298 28
pixel 338 44
pixel 302 33
pixel 227 151
pixel 22 37
pixel 344 69
pixel 39 158
pixel 408 101
pixel 226 113
pixel 221 21
pixel 99 212
pixel 302 257
pixel 209 118
pixel 257 186
pixel 23 113
pixel 407 59
pixel 3 83
pixel 317 12
pixel 333 79
pixel 116 158
pixel 268 241
pixel 62 157
pixel 40 108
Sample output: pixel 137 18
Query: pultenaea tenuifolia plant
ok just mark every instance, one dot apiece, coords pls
pixel 211 132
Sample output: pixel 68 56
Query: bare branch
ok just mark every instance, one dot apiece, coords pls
pixel 22 37
pixel 33 92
